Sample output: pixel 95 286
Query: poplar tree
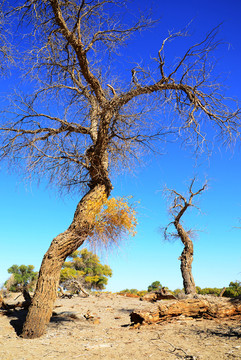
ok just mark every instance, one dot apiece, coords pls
pixel 85 117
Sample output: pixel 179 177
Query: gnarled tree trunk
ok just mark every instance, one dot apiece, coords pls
pixel 63 245
pixel 179 206
pixel 186 260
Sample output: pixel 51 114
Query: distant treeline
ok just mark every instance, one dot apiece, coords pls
pixel 233 290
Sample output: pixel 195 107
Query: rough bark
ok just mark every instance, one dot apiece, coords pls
pixel 186 260
pixel 179 206
pixel 63 245
pixel 195 308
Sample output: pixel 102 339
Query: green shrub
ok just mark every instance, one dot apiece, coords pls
pixel 208 291
pixel 21 276
pixel 177 291
pixel 155 286
pixel 233 290
pixel 85 267
pixel 135 292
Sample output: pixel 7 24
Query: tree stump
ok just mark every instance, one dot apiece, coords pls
pixel 161 294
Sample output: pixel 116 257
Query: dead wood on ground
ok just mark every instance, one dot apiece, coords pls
pixel 22 304
pixel 194 308
pixel 162 294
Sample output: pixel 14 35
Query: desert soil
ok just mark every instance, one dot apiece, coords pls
pixel 98 327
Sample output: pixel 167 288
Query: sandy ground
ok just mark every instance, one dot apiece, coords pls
pixel 109 335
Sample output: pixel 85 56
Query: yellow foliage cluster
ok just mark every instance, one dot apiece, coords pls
pixel 69 273
pixel 91 279
pixel 111 219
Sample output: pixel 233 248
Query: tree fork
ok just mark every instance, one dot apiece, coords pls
pixel 64 244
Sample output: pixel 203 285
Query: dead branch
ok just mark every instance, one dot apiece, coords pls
pixel 180 203
pixel 71 78
pixel 177 351
pixel 23 304
pixel 73 283
pixel 222 292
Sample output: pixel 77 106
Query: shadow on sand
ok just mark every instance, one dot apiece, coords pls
pixel 18 317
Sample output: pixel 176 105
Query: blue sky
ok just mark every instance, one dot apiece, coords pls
pixel 32 215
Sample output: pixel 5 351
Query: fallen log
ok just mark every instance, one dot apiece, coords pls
pixel 64 294
pixel 23 304
pixel 72 284
pixel 195 308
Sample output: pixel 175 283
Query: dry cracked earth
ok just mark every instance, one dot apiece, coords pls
pixel 98 327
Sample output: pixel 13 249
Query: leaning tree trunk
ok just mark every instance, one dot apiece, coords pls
pixel 186 260
pixel 64 244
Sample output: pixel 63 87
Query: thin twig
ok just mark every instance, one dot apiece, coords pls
pixel 175 349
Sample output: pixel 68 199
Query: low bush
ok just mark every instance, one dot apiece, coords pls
pixel 132 293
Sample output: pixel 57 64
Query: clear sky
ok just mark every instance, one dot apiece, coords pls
pixel 32 215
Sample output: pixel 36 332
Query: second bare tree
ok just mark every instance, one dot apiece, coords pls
pixel 179 205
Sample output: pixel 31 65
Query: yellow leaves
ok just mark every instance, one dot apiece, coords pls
pixel 116 215
pixel 69 273
pixel 95 206
pixel 91 279
pixel 111 219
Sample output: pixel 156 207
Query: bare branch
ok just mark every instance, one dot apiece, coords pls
pixel 6 49
pixel 179 202
pixel 100 120
pixel 112 89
